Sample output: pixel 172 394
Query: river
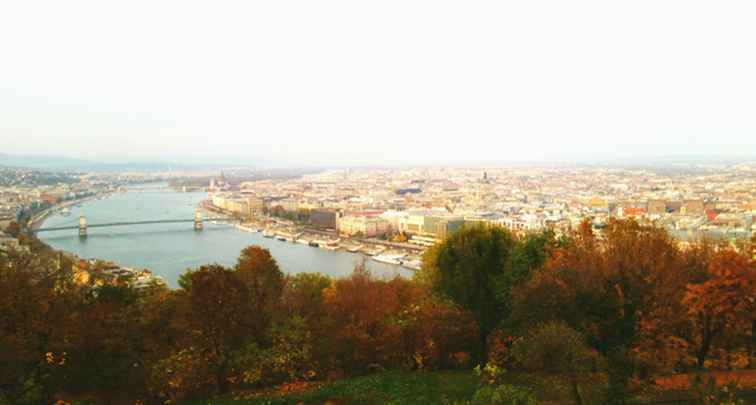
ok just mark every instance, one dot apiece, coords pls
pixel 169 249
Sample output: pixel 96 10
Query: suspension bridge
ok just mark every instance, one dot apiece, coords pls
pixel 82 226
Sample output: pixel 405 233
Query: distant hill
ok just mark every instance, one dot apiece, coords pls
pixel 41 161
pixel 62 163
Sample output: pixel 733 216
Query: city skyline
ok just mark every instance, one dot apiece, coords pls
pixel 339 83
pixel 255 163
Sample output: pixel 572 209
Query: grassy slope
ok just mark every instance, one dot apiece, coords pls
pixel 429 388
pixel 395 387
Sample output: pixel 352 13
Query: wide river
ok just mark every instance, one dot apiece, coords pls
pixel 169 249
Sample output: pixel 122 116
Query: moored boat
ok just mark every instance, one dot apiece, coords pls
pixel 330 244
pixel 389 258
pixel 414 264
pixel 372 251
pixel 244 228
pixel 352 248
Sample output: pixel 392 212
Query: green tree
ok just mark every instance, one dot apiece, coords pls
pixel 303 296
pixel 471 267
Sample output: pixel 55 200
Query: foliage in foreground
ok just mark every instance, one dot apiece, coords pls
pixel 588 316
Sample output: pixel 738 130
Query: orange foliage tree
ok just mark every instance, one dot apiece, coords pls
pixel 608 286
pixel 362 319
pixel 727 300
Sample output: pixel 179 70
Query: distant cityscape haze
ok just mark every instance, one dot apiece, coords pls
pixel 344 83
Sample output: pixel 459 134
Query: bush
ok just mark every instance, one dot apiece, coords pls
pixel 501 395
pixel 708 393
pixel 289 359
pixel 555 348
pixel 181 375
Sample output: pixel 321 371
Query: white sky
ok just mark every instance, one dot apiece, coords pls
pixel 358 82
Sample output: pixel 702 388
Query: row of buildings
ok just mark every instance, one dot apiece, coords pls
pixel 426 204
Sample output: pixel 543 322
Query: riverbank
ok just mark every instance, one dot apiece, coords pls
pixel 37 220
pixel 169 249
pixel 407 255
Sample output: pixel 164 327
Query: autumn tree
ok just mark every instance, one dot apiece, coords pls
pixel 264 280
pixel 220 317
pixel 727 300
pixel 436 333
pixel 362 313
pixel 106 358
pixel 606 287
pixel 38 302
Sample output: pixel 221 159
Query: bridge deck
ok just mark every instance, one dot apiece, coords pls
pixel 158 221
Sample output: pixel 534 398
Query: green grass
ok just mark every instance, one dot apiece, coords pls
pixel 391 387
pixel 416 387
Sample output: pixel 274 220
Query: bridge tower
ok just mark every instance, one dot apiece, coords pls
pixel 198 226
pixel 82 226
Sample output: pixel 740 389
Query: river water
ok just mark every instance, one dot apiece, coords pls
pixel 169 249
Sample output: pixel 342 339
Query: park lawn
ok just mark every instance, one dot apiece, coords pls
pixel 411 387
pixel 395 387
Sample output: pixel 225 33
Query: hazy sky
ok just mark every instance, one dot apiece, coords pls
pixel 344 82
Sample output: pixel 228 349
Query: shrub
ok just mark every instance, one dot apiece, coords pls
pixel 501 395
pixel 555 348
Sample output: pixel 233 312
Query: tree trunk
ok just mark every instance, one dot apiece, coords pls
pixel 576 389
pixel 751 344
pixel 703 350
pixel 710 331
pixel 483 347
pixel 220 377
pixel 619 374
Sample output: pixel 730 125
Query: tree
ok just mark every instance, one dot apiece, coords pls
pixel 107 353
pixel 289 358
pixel 471 267
pixel 38 302
pixel 606 288
pixel 362 313
pixel 220 317
pixel 528 254
pixel 303 296
pixel 264 280
pixel 726 301
pixel 227 310
pixel 436 333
